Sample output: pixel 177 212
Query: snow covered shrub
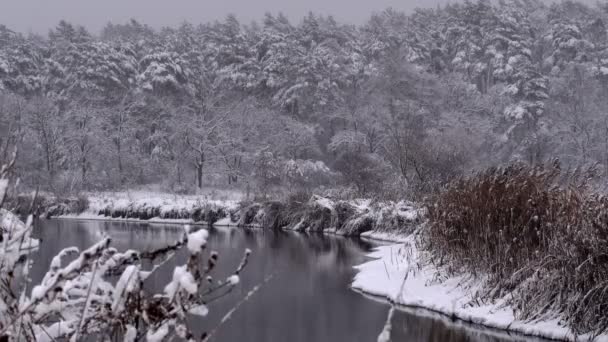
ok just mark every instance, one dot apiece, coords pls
pixel 313 214
pixel 306 174
pixel 52 206
pixel 79 298
pixel 319 214
pixel 344 211
pixel 99 293
pixel 359 224
pixel 82 202
pixel 341 193
pixel 295 208
pixel 246 214
pixel 401 217
pixel 307 212
pixel 270 214
pixel 535 233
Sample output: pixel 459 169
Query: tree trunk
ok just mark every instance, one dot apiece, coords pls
pixel 83 169
pixel 179 173
pixel 120 177
pixel 199 170
pixel 199 175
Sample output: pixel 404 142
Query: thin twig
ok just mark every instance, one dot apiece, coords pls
pixel 228 315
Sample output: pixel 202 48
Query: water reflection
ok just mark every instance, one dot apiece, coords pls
pixel 308 299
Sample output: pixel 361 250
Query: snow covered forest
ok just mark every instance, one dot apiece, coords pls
pixel 474 136
pixel 394 106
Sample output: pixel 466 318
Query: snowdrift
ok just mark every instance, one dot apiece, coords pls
pixel 405 276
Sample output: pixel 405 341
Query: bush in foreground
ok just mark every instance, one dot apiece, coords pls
pixel 537 233
pixel 99 293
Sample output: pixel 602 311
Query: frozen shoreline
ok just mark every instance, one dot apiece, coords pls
pixel 381 277
pixel 472 328
pixel 320 214
pixel 157 220
pixel 400 274
pixel 87 216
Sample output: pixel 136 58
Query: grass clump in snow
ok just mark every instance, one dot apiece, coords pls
pixel 537 233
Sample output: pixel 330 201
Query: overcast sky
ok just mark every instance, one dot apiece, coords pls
pixel 40 15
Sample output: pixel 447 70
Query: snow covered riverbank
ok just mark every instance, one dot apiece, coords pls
pixel 159 207
pixel 393 222
pixel 404 276
pixel 378 220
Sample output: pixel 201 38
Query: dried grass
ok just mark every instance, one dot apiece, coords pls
pixel 539 233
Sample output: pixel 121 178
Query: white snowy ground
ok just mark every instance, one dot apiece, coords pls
pixel 400 274
pixel 143 200
pixel 167 202
pixel 385 236
pixel 95 217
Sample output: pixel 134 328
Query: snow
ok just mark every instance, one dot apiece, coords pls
pixel 325 203
pixel 402 274
pixel 126 284
pixel 516 112
pixel 166 205
pixel 9 222
pixel 197 240
pixel 89 216
pixel 182 279
pixel 199 310
pixel 233 279
pixel 38 292
pixel 384 236
pixel 56 261
pixel 387 216
pixel 225 222
pixel 159 334
pixel 124 200
pixel 55 331
pixel 84 289
pixel 181 331
pixel 130 334
pixel 3 187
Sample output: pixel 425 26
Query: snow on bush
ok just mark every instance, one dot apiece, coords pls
pixel 197 240
pixel 79 295
pixel 354 217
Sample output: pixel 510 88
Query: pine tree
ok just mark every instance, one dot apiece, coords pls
pixel 20 64
pixel 230 55
pixel 164 74
pixel 569 43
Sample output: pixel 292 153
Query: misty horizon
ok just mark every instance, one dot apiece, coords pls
pixel 38 17
pixel 35 16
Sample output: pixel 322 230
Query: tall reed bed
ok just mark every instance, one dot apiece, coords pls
pixel 536 233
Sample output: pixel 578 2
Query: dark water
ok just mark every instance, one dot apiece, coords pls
pixel 308 299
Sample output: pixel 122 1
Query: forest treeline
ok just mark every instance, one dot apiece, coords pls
pixel 399 104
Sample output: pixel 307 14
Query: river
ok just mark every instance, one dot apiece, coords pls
pixel 308 299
